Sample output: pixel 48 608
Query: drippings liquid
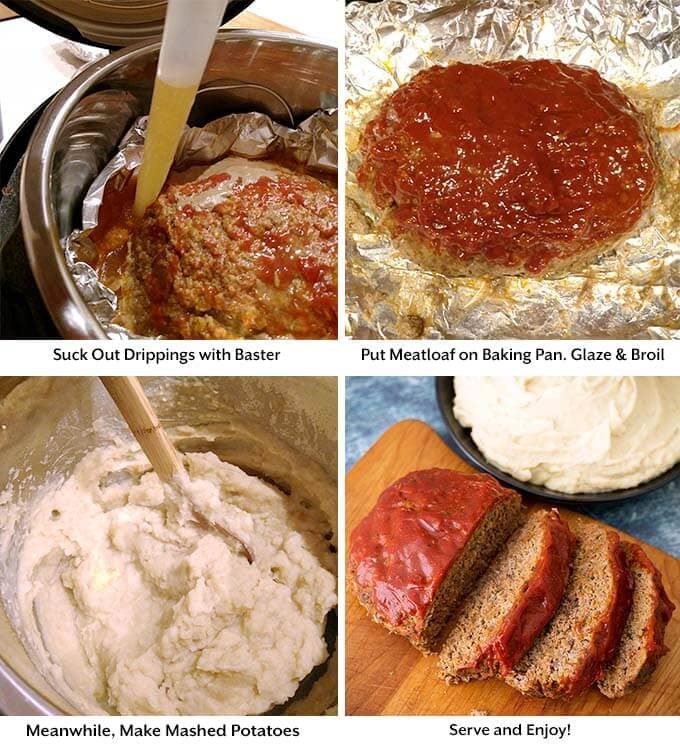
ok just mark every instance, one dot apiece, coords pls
pixel 170 107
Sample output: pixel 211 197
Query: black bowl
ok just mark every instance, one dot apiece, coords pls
pixel 468 450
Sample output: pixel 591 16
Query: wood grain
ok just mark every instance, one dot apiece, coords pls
pixel 248 20
pixel 128 395
pixel 385 675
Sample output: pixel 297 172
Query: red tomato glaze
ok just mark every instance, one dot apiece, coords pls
pixel 538 601
pixel 401 551
pixel 516 162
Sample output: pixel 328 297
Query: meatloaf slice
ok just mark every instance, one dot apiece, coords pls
pixel 511 604
pixel 642 643
pixel 584 633
pixel 429 537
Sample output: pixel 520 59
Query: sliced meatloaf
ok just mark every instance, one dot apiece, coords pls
pixel 642 643
pixel 583 635
pixel 429 537
pixel 513 601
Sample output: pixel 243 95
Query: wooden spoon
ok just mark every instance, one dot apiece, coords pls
pixel 128 395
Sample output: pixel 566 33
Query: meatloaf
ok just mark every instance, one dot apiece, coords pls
pixel 500 618
pixel 420 549
pixel 524 166
pixel 261 262
pixel 584 634
pixel 642 643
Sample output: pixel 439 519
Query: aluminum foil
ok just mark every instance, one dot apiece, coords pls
pixel 313 144
pixel 632 291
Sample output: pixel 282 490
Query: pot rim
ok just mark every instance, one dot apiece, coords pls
pixel 22 699
pixel 68 310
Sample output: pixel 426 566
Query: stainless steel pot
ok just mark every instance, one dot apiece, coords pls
pixel 48 424
pixel 102 22
pixel 78 132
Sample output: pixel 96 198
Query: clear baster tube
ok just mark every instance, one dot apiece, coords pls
pixel 188 37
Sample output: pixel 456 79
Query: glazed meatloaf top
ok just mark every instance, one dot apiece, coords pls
pixel 642 642
pixel 424 527
pixel 585 631
pixel 261 262
pixel 515 165
pixel 512 602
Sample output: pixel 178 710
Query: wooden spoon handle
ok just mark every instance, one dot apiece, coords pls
pixel 128 395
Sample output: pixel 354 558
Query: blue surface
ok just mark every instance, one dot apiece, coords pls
pixel 373 404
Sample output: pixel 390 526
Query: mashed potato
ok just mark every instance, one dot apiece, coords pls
pixel 574 434
pixel 129 607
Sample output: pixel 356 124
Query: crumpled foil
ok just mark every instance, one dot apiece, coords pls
pixel 313 144
pixel 632 291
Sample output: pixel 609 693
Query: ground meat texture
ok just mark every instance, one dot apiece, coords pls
pixel 642 642
pixel 511 603
pixel 584 633
pixel 261 263
pixel 515 165
pixel 419 551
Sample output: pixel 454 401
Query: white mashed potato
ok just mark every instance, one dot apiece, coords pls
pixel 131 608
pixel 574 434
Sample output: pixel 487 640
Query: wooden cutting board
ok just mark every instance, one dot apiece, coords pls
pixel 385 675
